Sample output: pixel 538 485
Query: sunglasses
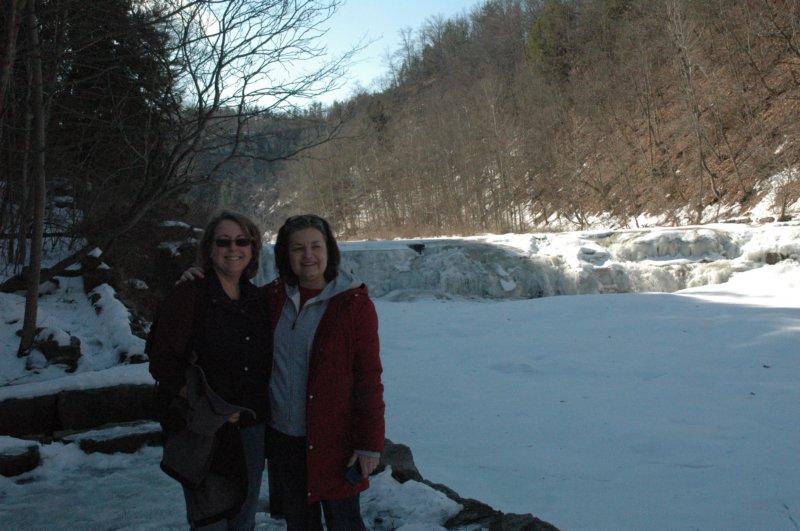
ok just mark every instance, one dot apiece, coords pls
pixel 311 219
pixel 240 242
pixel 307 220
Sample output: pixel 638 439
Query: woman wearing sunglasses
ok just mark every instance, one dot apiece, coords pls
pixel 217 323
pixel 326 427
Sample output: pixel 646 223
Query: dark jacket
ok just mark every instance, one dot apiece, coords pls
pixel 228 339
pixel 344 406
pixel 206 455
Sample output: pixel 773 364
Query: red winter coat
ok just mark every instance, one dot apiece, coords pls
pixel 344 408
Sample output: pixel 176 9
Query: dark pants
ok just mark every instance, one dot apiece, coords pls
pixel 287 462
pixel 253 447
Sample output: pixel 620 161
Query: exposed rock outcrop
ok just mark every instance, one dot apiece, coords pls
pixel 475 514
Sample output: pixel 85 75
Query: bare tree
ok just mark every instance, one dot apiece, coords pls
pixel 12 12
pixel 681 30
pixel 34 268
pixel 230 63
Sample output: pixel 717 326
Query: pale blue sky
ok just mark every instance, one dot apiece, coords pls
pixel 380 21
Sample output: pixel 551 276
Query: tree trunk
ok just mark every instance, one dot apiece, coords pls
pixel 35 265
pixel 13 17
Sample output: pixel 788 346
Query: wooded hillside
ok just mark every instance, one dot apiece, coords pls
pixel 518 115
pixel 527 113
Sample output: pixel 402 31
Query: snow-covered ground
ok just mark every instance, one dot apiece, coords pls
pixel 622 404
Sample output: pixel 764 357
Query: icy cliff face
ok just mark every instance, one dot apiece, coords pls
pixel 546 264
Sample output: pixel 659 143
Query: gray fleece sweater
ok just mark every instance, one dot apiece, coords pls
pixel 294 337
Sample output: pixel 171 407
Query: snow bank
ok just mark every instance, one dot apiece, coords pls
pixel 119 375
pixel 114 318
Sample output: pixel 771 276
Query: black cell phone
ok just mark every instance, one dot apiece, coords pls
pixel 353 473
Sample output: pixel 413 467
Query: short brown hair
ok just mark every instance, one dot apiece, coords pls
pixel 248 227
pixel 294 224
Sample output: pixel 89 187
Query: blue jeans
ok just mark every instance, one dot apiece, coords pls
pixel 253 446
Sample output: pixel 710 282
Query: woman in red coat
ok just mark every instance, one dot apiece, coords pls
pixel 326 395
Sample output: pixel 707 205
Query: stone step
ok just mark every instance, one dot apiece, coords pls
pixel 18 456
pixel 78 409
pixel 124 437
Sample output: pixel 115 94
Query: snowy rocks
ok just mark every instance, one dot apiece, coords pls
pixel 129 358
pixel 115 319
pixel 96 273
pixel 478 515
pixel 126 437
pixel 399 458
pixel 772 258
pixel 474 514
pixel 57 347
pixel 81 417
pixel 17 456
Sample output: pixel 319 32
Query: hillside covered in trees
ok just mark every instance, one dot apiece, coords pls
pixel 531 114
pixel 517 115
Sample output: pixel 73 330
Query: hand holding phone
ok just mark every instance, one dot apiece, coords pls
pixel 353 473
